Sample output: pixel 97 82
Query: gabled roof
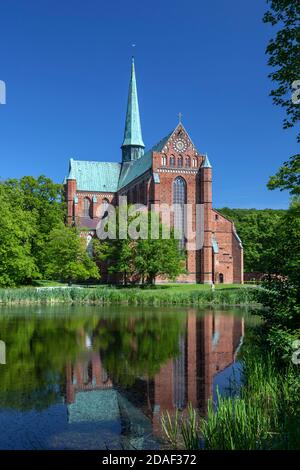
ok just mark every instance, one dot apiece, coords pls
pixel 160 145
pixel 136 168
pixel 95 176
pixel 111 177
pixel 182 130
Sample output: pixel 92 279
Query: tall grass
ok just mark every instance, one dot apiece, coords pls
pixel 240 296
pixel 182 431
pixel 264 415
pixel 238 424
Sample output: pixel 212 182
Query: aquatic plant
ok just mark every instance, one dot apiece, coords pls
pixel 264 415
pixel 156 296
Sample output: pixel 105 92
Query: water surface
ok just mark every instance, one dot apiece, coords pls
pixel 100 377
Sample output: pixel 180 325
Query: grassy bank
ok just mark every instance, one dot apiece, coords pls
pixel 171 294
pixel 263 415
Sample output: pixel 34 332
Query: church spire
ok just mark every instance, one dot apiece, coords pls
pixel 133 145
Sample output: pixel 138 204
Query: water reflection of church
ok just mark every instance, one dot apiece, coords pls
pixel 208 346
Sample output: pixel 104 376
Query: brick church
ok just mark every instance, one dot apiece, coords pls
pixel 172 171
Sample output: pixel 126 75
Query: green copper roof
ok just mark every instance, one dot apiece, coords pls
pixel 136 168
pixel 206 163
pixel 160 145
pixel 110 177
pixel 133 131
pixel 95 176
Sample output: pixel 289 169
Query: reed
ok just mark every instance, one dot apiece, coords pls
pixel 265 414
pixel 237 424
pixel 175 295
pixel 182 431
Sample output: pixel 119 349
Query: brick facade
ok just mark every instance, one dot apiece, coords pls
pixel 158 177
pixel 208 265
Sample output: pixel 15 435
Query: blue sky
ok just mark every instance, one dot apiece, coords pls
pixel 66 65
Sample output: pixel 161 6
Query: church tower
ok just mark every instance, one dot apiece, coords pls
pixel 173 174
pixel 133 145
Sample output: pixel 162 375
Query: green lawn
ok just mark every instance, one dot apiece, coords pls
pixel 45 283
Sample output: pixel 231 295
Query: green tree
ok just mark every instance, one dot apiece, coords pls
pixel 67 258
pixel 143 258
pixel 118 253
pixel 258 232
pixel 283 51
pixel 161 257
pixel 282 293
pixel 285 251
pixel 282 296
pixel 287 177
pixel 17 231
pixel 284 57
pixel 43 199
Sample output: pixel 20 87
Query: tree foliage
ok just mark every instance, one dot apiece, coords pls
pixel 144 258
pixel 67 258
pixel 34 242
pixel 284 57
pixel 287 177
pixel 43 199
pixel 159 258
pixel 258 230
pixel 282 293
pixel 16 237
pixel 283 51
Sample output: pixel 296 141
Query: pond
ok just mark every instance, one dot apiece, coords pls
pixel 90 377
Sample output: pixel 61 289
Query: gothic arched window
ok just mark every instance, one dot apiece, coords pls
pixel 179 201
pixel 86 207
pixel 180 161
pixel 195 162
pixel 164 160
pixel 187 162
pixel 172 161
